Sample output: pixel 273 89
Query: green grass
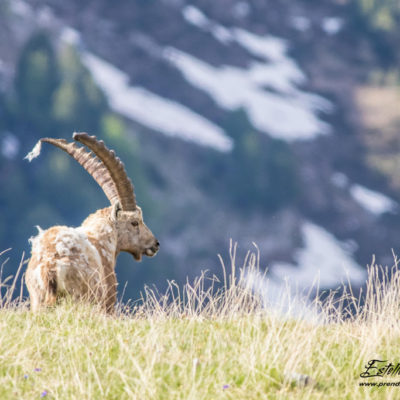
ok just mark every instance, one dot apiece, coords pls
pixel 197 343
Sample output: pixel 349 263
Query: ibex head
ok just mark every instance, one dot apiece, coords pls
pixel 133 235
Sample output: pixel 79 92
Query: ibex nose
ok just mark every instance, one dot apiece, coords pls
pixel 157 243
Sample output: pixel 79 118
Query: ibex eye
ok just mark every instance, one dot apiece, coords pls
pixel 135 223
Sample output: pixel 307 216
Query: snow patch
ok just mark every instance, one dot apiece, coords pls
pixel 340 180
pixel 332 25
pixel 301 23
pixel 10 146
pixel 153 111
pixel 241 9
pixel 323 260
pixel 281 299
pixel 290 115
pixel 222 34
pixel 195 17
pixel 70 36
pixel 267 47
pixel 45 16
pixel 375 202
pixel 21 8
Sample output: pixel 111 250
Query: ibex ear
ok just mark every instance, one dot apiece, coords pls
pixel 114 211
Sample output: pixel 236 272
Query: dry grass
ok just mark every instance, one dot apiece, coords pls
pixel 203 341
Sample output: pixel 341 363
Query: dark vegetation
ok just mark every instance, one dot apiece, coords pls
pixel 260 172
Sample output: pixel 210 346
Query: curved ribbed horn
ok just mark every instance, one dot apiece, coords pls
pixel 115 167
pixel 91 164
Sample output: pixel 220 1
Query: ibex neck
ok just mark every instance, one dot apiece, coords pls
pixel 101 232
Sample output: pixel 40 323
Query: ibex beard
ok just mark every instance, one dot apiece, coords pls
pixel 80 262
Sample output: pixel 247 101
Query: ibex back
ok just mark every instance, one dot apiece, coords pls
pixel 80 261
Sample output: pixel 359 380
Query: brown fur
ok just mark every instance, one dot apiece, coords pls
pixel 80 262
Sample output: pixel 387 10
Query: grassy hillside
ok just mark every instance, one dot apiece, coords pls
pixel 200 343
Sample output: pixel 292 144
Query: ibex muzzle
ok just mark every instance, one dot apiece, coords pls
pixel 81 261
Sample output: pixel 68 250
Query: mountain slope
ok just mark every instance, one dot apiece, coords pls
pixel 247 125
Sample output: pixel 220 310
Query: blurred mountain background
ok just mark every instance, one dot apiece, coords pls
pixel 275 122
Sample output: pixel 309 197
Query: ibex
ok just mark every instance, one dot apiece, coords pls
pixel 80 261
